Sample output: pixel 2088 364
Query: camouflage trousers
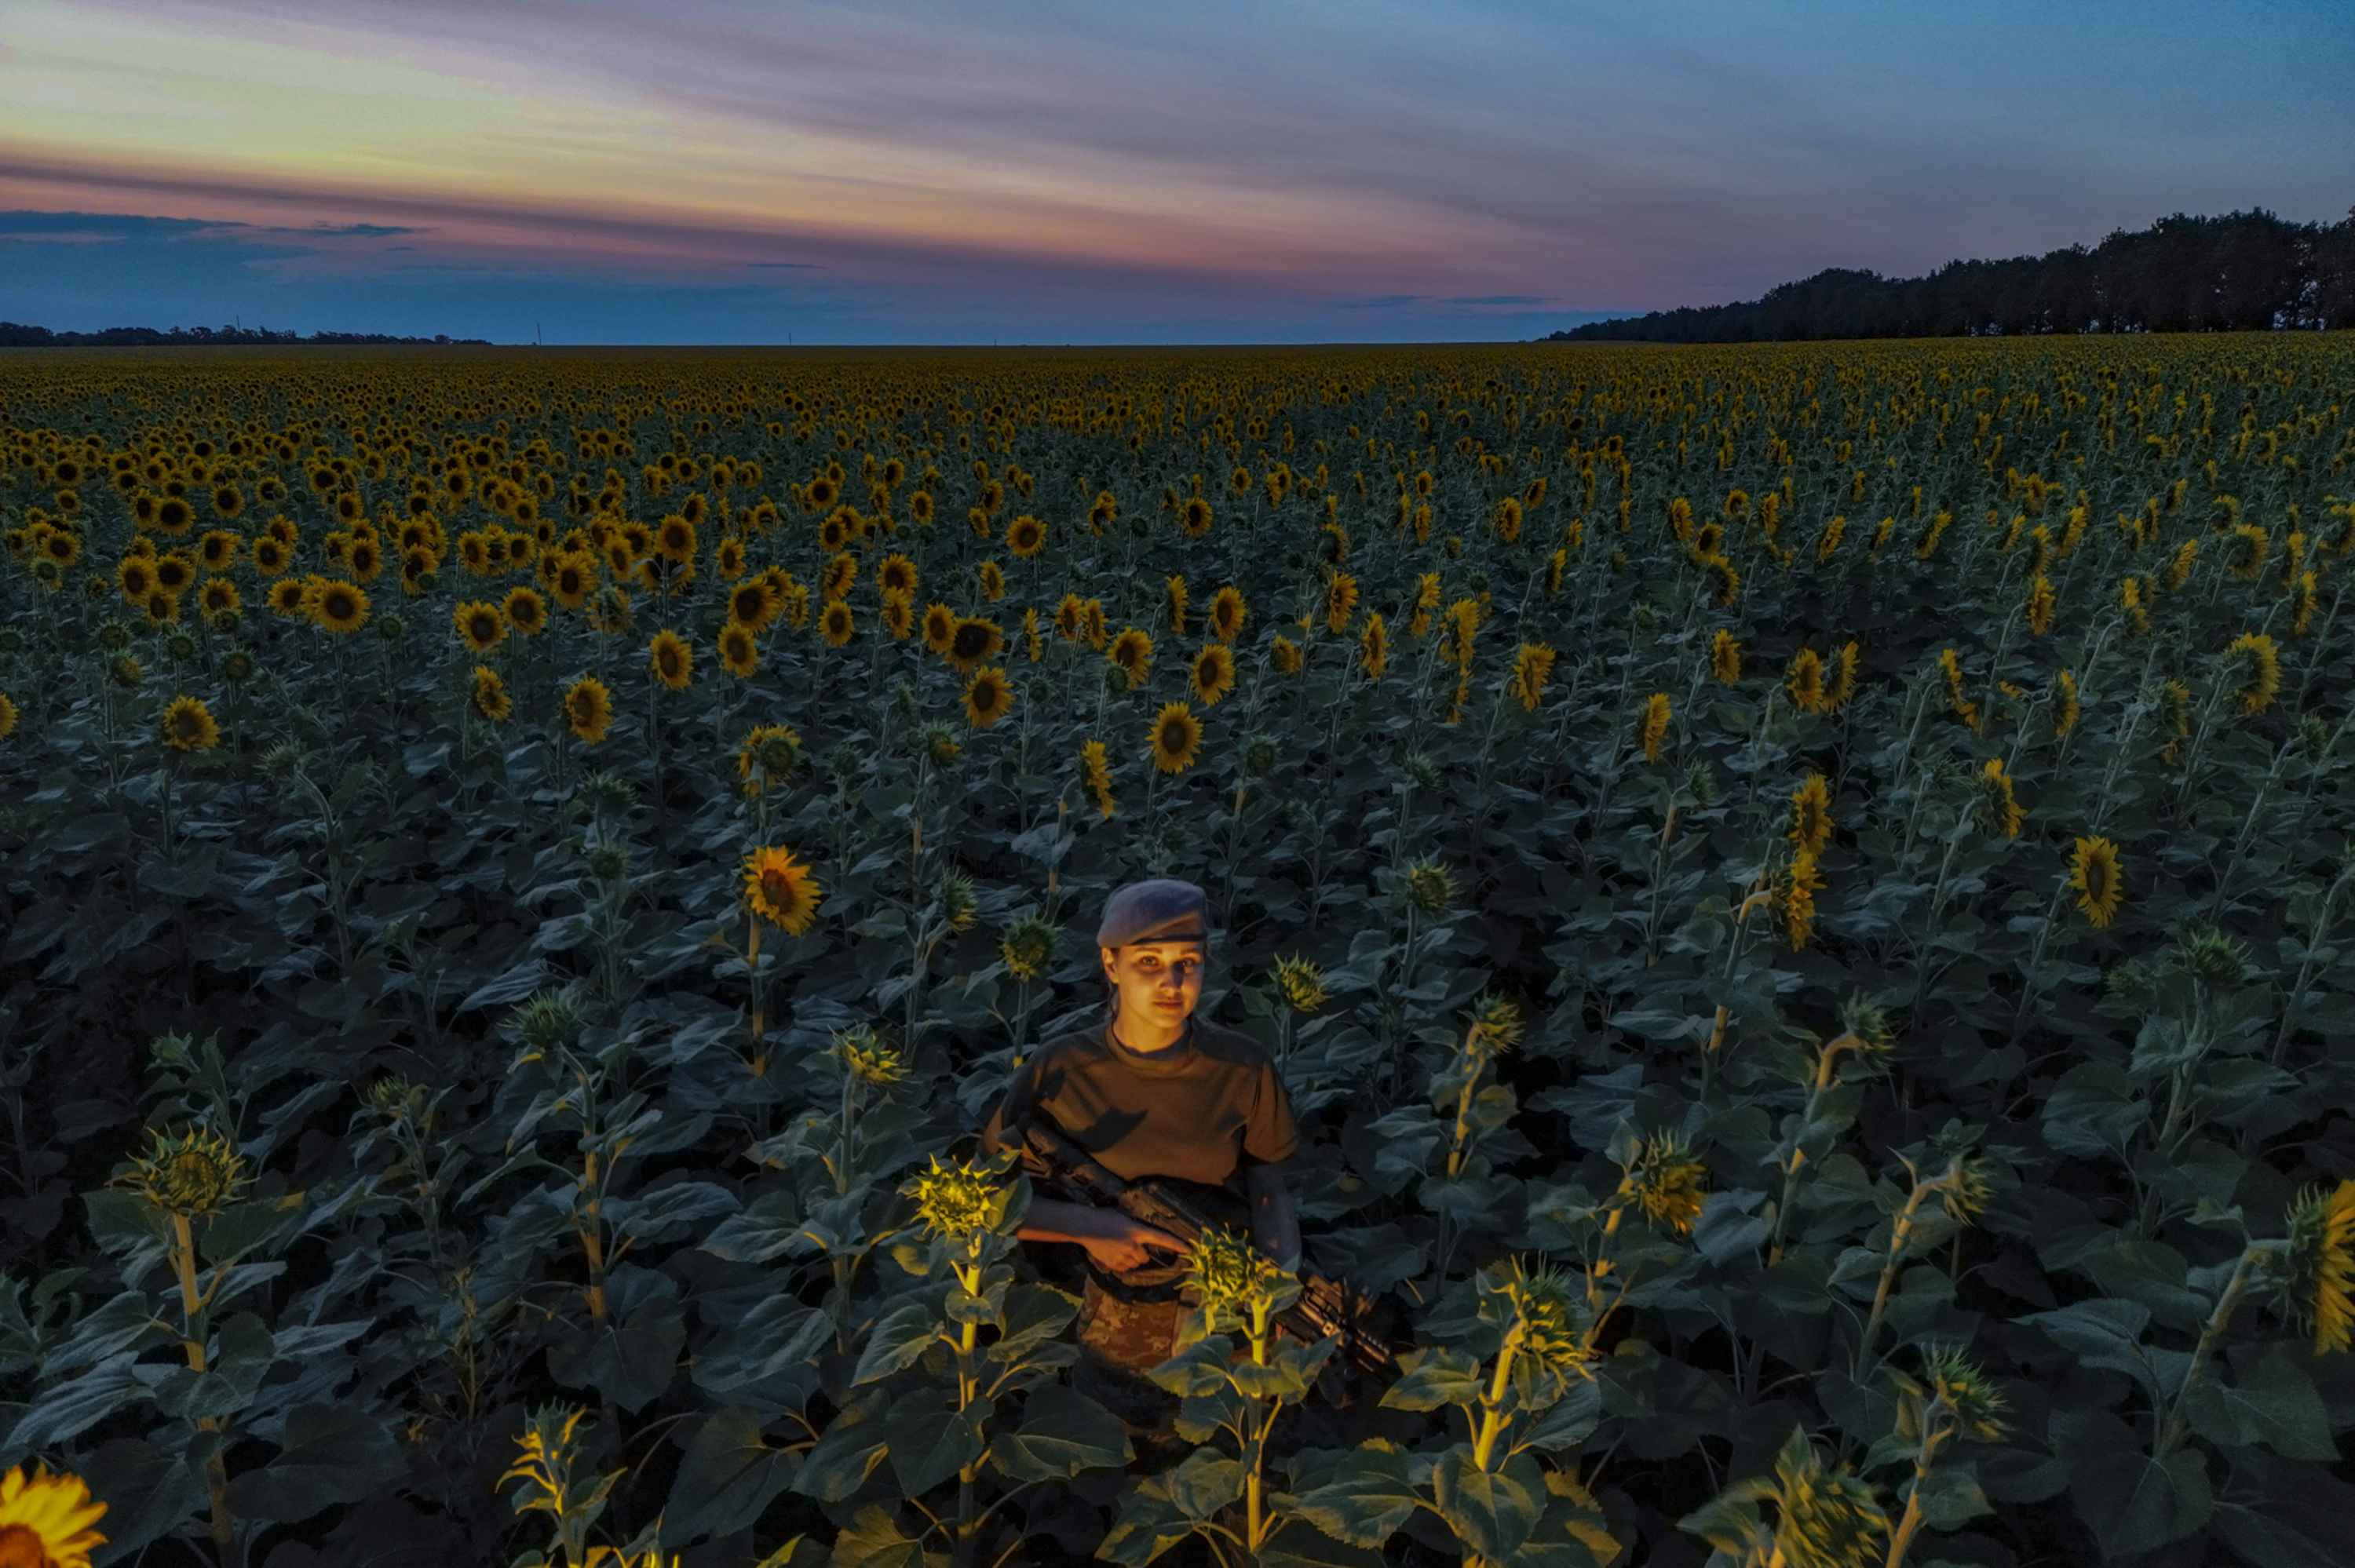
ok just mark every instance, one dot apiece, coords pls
pixel 1120 1341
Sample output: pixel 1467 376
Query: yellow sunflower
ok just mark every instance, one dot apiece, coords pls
pixel 974 640
pixel 2263 681
pixel 671 659
pixel 588 708
pixel 218 595
pixel 1175 587
pixel 7 716
pixel 939 627
pixel 753 603
pixel 136 576
pixel 780 889
pixel 898 616
pixel 46 1519
pixel 1213 674
pixel 1340 600
pixel 838 624
pixel 1177 733
pixel 1725 658
pixel 1095 763
pixel 1655 727
pixel 895 572
pixel 1284 655
pixel 1532 667
pixel 490 694
pixel 1374 647
pixel 1804 680
pixel 2095 873
pixel 481 625
pixel 1811 815
pixel 527 612
pixel 573 578
pixel 992 577
pixel 740 652
pixel 1026 535
pixel 1228 613
pixel 188 725
pixel 341 607
pixel 988 696
pixel 1133 651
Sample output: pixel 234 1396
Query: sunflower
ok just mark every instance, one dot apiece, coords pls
pixel 1843 677
pixel 1532 667
pixel 341 607
pixel 1132 651
pixel 573 578
pixel 674 540
pixel 1214 673
pixel 1654 728
pixel 2315 1271
pixel 1095 763
pixel 671 659
pixel 1195 517
pixel 588 708
pixel 490 695
pixel 1799 900
pixel 1963 708
pixel 1811 815
pixel 988 696
pixel 780 889
pixel 135 577
pixel 174 572
pixel 841 575
pixel 1340 600
pixel 895 572
pixel 2094 871
pixel 46 1519
pixel 974 639
pixel 1729 581
pixel 1804 680
pixel 7 716
pixel 753 603
pixel 288 597
pixel 2065 709
pixel 1284 655
pixel 729 558
pixel 1228 613
pixel 2264 682
pixel 919 507
pixel 174 515
pixel 217 551
pixel 740 651
pixel 1177 733
pixel 770 752
pixel 481 625
pixel 1999 807
pixel 838 624
pixel 188 725
pixel 1373 647
pixel 527 612
pixel 219 594
pixel 1026 535
pixel 940 627
pixel 1725 657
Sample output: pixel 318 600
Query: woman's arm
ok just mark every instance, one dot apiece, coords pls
pixel 1275 1220
pixel 1110 1238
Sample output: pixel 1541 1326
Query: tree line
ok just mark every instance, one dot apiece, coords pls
pixel 2242 272
pixel 16 334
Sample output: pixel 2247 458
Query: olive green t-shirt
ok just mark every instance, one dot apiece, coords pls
pixel 1199 1109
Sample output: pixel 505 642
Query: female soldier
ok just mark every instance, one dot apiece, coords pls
pixel 1151 1092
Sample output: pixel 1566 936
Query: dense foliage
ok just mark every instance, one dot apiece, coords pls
pixel 2247 272
pixel 1800 893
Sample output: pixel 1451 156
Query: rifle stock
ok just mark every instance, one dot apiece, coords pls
pixel 1186 1209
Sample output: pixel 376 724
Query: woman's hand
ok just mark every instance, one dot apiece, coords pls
pixel 1131 1247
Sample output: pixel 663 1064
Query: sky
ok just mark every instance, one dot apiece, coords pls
pixel 1035 172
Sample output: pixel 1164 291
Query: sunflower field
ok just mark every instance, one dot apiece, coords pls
pixel 1803 893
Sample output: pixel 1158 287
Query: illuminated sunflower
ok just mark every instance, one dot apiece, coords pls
pixel 1213 675
pixel 753 603
pixel 341 607
pixel 939 627
pixel 1725 658
pixel 2263 679
pixel 288 597
pixel 1374 647
pixel 490 698
pixel 188 725
pixel 988 696
pixel 46 1519
pixel 1340 600
pixel 671 659
pixel 481 625
pixel 675 539
pixel 2094 871
pixel 840 576
pixel 589 709
pixel 974 640
pixel 781 890
pixel 1177 733
pixel 1654 729
pixel 1811 815
pixel 1132 651
pixel 740 652
pixel 527 612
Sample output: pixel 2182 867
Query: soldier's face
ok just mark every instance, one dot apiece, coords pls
pixel 1159 980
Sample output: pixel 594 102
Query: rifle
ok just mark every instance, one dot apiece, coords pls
pixel 1186 1209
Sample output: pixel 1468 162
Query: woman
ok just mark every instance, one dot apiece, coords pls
pixel 1151 1092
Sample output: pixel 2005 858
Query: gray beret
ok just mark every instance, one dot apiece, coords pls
pixel 1160 909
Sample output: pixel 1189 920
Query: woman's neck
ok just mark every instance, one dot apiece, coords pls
pixel 1140 1036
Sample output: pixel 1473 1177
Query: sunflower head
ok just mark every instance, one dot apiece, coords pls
pixel 960 901
pixel 961 1203
pixel 1234 1279
pixel 1543 1312
pixel 188 725
pixel 46 1519
pixel 1829 1519
pixel 1301 984
pixel 193 1175
pixel 868 1057
pixel 1953 1390
pixel 770 752
pixel 1028 947
pixel 1430 887
pixel 1493 1028
pixel 941 744
pixel 589 709
pixel 1668 1183
pixel 781 890
pixel 2313 1271
pixel 1177 733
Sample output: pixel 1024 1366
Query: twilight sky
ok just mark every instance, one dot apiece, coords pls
pixel 1030 171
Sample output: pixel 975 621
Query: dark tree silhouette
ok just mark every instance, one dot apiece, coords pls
pixel 2245 271
pixel 14 335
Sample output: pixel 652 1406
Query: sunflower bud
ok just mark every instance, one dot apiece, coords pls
pixel 191 1176
pixel 960 1203
pixel 112 636
pixel 1028 947
pixel 391 628
pixel 1495 1026
pixel 959 903
pixel 1233 1277
pixel 128 671
pixel 1301 983
pixel 238 668
pixel 395 1098
pixel 2314 736
pixel 1259 757
pixel 2214 957
pixel 866 1056
pixel 1829 1517
pixel 1869 1022
pixel 609 860
pixel 1974 1403
pixel 1701 783
pixel 942 743
pixel 1420 767
pixel 1543 1314
pixel 1430 886
pixel 548 1021
pixel 1668 1183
